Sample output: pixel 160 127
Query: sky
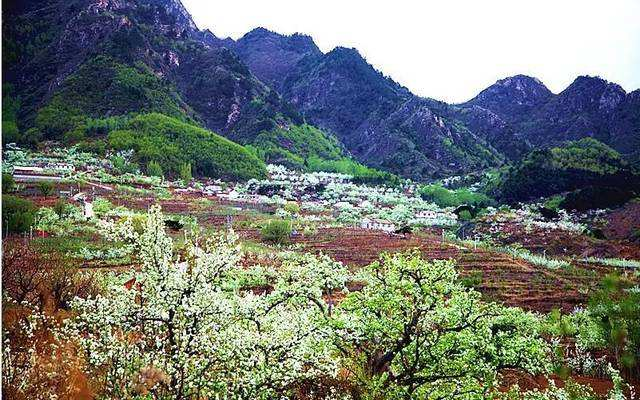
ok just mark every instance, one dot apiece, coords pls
pixel 450 50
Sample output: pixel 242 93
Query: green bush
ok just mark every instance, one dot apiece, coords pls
pixel 292 207
pixel 46 188
pixel 17 214
pixel 8 183
pixel 154 169
pixel 276 231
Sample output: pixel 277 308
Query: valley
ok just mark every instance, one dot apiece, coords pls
pixel 192 217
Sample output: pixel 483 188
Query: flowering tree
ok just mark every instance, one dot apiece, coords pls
pixel 190 327
pixel 414 331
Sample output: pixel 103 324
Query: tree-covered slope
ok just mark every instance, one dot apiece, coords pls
pixel 576 165
pixel 172 143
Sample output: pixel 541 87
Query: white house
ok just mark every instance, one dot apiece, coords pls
pixel 87 209
pixel 378 224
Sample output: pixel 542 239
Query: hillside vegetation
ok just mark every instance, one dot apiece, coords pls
pixel 576 165
pixel 172 143
pixel 307 148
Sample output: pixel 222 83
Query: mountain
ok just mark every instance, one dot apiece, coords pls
pixel 100 58
pixel 524 110
pixel 385 125
pixel 380 122
pixel 69 66
pixel 513 97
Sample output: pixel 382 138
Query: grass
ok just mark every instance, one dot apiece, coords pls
pixel 252 247
pixel 613 262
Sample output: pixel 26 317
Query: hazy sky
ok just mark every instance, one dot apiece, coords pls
pixel 450 50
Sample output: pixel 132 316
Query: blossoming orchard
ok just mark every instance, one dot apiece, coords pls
pixel 303 285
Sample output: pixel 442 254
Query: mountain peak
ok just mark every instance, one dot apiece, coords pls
pixel 589 92
pixel 178 10
pixel 592 83
pixel 272 56
pixel 519 81
pixel 516 93
pixel 265 38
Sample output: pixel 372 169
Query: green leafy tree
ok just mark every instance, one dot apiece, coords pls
pixel 46 188
pixel 8 183
pixel 17 214
pixel 414 331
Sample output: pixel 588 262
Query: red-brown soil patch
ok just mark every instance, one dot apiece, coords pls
pixel 504 278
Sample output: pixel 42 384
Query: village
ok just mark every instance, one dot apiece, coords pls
pixel 331 195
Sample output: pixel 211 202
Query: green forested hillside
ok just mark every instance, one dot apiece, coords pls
pixel 172 143
pixel 576 165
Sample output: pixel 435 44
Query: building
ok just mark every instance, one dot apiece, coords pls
pixel 378 224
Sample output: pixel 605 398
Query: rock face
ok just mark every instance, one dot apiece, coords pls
pixel 380 122
pixel 49 43
pixel 589 107
pixel 267 81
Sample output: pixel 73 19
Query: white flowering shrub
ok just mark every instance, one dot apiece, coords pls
pixel 48 220
pixel 188 322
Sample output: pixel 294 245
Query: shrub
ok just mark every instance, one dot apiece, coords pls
pixel 122 166
pixel 277 231
pixel 46 188
pixel 292 207
pixel 29 275
pixel 185 173
pixel 17 214
pixel 61 208
pixel 154 169
pixel 8 183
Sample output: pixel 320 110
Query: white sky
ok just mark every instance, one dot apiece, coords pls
pixel 452 49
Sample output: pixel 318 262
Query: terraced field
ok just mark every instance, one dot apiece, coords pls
pixel 503 277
